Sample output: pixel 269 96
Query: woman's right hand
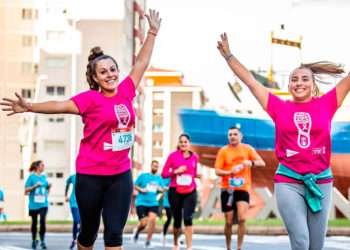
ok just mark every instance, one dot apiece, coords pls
pixel 15 106
pixel 224 47
pixel 180 170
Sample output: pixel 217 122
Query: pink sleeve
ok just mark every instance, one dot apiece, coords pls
pixel 329 102
pixel 83 101
pixel 196 170
pixel 167 170
pixel 127 88
pixel 274 105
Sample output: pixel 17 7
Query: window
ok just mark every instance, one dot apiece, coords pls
pixel 59 175
pixel 26 14
pixel 55 90
pixel 50 90
pixel 60 90
pixel 26 93
pixel 36 68
pixel 30 14
pixel 157 144
pixel 157 127
pixel 57 119
pixel 27 41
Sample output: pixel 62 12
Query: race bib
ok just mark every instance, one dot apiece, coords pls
pixel 236 182
pixel 39 198
pixel 122 140
pixel 184 180
pixel 152 188
pixel 1 204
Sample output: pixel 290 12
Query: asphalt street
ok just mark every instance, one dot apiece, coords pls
pixel 61 241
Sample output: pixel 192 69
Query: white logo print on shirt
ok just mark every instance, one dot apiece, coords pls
pixel 303 122
pixel 123 116
pixel 290 153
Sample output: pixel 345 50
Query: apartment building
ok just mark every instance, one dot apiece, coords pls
pixel 163 94
pixel 60 35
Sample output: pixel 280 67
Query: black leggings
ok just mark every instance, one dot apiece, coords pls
pixel 168 220
pixel 182 203
pixel 106 195
pixel 42 212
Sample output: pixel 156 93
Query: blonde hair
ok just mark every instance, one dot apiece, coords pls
pixel 322 68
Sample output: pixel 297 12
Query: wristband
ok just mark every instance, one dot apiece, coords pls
pixel 152 33
pixel 30 107
pixel 227 58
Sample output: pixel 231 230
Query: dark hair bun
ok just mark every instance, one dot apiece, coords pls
pixel 95 52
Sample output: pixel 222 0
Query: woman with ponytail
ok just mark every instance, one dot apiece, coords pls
pixel 37 188
pixel 181 168
pixel 303 180
pixel 104 182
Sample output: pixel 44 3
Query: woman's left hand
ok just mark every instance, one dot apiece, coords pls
pixel 153 21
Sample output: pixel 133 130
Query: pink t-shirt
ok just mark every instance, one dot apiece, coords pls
pixel 174 161
pixel 101 115
pixel 303 141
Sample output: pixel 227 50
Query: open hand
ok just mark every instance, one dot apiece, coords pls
pixel 153 21
pixel 15 106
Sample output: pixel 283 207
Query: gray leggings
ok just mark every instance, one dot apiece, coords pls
pixel 306 230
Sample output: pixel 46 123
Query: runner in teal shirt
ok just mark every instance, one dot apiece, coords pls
pixel 148 185
pixel 38 197
pixel 37 188
pixel 73 207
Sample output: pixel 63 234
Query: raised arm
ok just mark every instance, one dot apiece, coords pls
pixel 144 56
pixel 257 89
pixel 343 88
pixel 51 107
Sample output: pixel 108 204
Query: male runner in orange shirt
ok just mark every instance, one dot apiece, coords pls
pixel 233 163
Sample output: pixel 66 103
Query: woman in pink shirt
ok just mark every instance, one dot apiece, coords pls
pixel 181 167
pixel 104 182
pixel 303 181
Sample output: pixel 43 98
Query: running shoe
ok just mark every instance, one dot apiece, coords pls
pixel 134 236
pixel 43 245
pixel 72 245
pixel 148 244
pixel 34 244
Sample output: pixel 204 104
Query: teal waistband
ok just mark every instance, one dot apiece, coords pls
pixel 313 194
